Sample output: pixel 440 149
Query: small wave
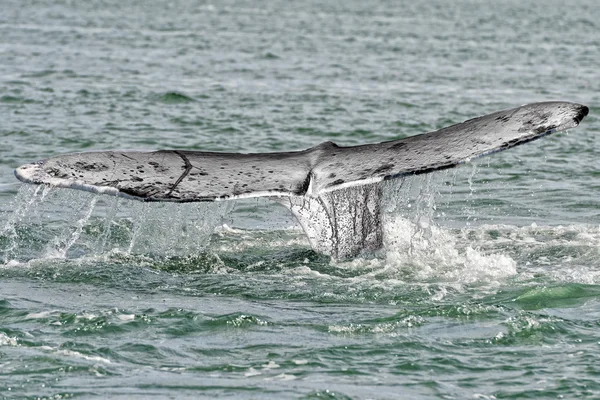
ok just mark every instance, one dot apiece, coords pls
pixel 40 74
pixel 174 98
pixel 388 327
pixel 556 296
pixel 327 395
pixel 15 100
pixel 530 328
pixel 237 320
pixel 270 56
pixel 76 354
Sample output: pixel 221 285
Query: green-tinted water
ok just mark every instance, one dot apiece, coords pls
pixel 99 297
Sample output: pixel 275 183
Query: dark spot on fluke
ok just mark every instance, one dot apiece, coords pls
pixel 543 129
pixel 383 168
pixel 398 145
pixel 90 166
pixel 503 118
pixel 583 112
pixel 336 182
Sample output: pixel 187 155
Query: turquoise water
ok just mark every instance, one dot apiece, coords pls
pixel 490 285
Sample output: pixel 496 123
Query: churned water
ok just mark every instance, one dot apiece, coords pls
pixel 490 285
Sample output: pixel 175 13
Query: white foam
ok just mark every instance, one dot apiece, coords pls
pixel 76 354
pixel 430 252
pixel 252 372
pixel 39 315
pixel 6 340
pixel 416 249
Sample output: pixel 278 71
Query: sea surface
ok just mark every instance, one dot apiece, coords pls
pixel 489 287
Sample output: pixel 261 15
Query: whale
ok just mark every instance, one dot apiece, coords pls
pixel 333 191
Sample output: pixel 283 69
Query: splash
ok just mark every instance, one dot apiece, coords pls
pixel 61 245
pixel 428 252
pixel 63 224
pixel 417 248
pixel 170 229
pixel 26 197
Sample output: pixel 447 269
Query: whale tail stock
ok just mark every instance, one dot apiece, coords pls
pixel 308 182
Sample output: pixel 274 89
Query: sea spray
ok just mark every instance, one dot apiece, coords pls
pixel 59 245
pixel 169 229
pixel 439 256
pixel 113 209
pixel 79 225
pixel 469 211
pixel 137 225
pixel 25 199
pixel 417 247
pixel 51 223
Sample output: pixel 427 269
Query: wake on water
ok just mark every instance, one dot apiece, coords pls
pixel 48 224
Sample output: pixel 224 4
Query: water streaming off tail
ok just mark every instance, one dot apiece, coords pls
pixel 25 199
pixel 56 223
pixel 434 228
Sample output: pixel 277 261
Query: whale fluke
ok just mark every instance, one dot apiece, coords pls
pixel 304 180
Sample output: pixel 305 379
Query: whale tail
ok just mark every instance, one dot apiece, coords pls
pixel 315 184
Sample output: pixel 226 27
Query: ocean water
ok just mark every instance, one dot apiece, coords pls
pixel 490 283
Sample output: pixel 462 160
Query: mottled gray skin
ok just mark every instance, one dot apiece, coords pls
pixel 307 177
pixel 342 223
